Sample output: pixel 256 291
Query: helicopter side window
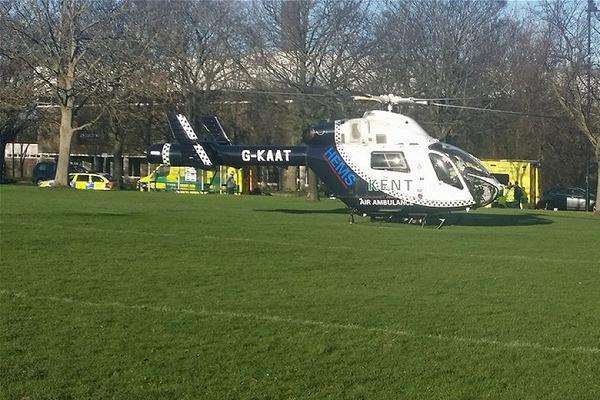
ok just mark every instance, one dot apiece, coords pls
pixel 445 171
pixel 389 160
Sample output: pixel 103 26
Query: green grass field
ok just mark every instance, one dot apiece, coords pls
pixel 127 295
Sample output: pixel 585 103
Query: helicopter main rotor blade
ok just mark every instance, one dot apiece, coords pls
pixel 366 98
pixel 395 100
pixel 471 108
pixel 275 92
pixel 444 98
pixel 389 99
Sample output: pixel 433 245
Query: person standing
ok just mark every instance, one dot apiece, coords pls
pixel 513 195
pixel 230 184
pixel 518 196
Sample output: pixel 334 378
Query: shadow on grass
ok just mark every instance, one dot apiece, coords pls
pixel 475 219
pixel 460 219
pixel 107 214
pixel 301 211
pixel 579 215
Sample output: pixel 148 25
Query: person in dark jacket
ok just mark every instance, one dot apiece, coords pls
pixel 514 195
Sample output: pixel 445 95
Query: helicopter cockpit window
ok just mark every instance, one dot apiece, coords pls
pixel 463 160
pixel 445 171
pixel 389 160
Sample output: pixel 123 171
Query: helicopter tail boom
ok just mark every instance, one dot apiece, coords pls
pixel 281 156
pixel 190 151
pixel 208 155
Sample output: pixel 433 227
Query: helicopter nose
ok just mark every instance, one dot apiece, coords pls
pixel 484 189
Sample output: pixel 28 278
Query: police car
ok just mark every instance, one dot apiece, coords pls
pixel 86 181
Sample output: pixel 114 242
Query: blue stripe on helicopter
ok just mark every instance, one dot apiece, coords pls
pixel 339 167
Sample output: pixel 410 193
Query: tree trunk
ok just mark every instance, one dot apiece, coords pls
pixel 22 159
pixel 117 171
pixel 10 135
pixel 2 151
pixel 597 206
pixel 290 179
pixel 312 193
pixel 64 150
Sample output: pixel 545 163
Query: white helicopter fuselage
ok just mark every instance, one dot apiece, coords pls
pixel 414 182
pixel 404 167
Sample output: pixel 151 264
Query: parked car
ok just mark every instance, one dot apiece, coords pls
pixel 570 198
pixel 86 181
pixel 46 170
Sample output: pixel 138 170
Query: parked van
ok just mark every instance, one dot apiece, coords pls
pixel 169 178
pixel 524 173
pixel 190 180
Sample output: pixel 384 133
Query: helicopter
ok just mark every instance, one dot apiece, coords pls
pixel 383 165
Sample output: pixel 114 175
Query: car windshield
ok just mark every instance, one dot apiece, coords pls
pixel 463 160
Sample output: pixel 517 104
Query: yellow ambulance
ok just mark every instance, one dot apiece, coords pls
pixel 189 179
pixel 168 178
pixel 524 173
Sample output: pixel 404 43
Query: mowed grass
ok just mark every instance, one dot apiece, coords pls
pixel 127 295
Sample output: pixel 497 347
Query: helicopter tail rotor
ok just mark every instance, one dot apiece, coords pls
pixel 213 126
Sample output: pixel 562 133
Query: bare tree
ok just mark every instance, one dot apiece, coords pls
pixel 13 122
pixel 17 90
pixel 200 51
pixel 446 49
pixel 575 73
pixel 308 47
pixel 131 78
pixel 61 42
